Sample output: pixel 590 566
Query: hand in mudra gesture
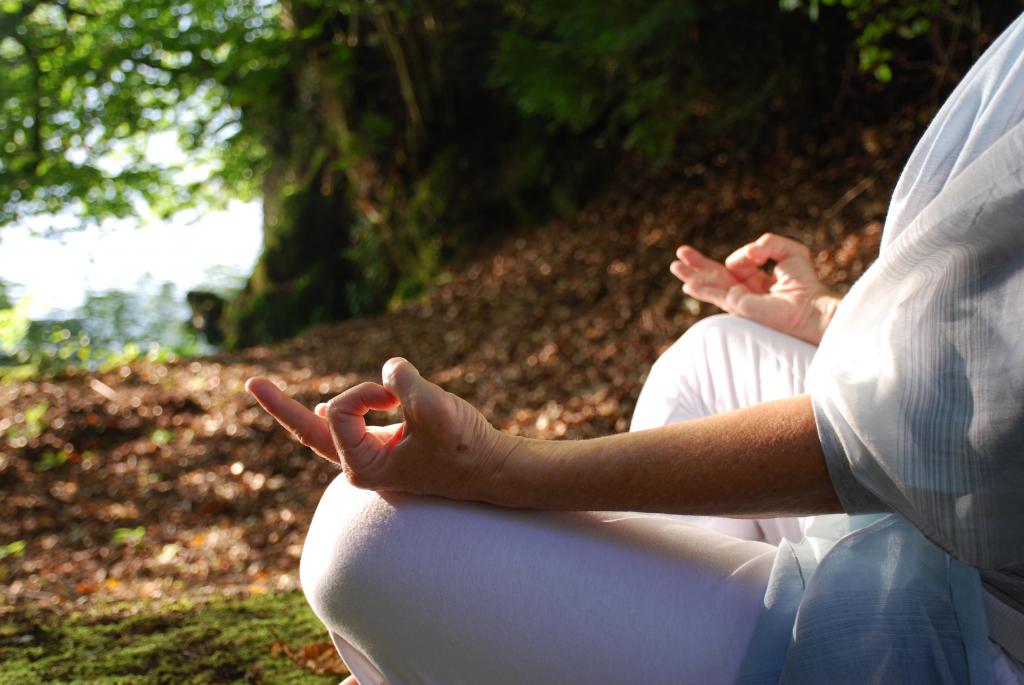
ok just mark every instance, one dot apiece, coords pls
pixel 790 299
pixel 443 447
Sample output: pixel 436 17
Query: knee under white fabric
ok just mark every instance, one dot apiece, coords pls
pixel 423 590
pixel 723 363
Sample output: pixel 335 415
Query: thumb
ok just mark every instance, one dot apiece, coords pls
pixel 402 378
pixel 424 404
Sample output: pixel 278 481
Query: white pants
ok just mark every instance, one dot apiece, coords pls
pixel 425 590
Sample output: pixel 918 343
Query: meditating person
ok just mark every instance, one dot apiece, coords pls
pixel 850 512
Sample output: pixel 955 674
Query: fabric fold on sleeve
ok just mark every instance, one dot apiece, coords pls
pixel 918 387
pixel 855 497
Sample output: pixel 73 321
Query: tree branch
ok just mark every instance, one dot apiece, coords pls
pixel 414 130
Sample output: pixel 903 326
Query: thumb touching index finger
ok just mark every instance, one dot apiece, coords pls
pixel 769 246
pixel 400 377
pixel 346 412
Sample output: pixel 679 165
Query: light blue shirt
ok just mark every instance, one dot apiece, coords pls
pixel 918 394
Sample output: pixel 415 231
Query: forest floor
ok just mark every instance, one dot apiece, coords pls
pixel 156 505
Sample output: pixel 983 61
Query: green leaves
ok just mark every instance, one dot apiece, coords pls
pixel 387 137
pixel 128 536
pixel 14 325
pixel 581 63
pixel 877 23
pixel 88 83
pixel 12 549
pixel 33 418
pixel 642 76
pixel 161 436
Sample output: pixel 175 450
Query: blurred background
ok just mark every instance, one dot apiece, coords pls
pixel 195 192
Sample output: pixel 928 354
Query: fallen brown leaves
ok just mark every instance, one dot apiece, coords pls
pixel 161 480
pixel 318 657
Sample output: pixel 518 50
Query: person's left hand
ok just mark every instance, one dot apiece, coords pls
pixel 443 447
pixel 791 298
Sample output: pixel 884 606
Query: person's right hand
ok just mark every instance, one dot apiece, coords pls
pixel 444 446
pixel 790 299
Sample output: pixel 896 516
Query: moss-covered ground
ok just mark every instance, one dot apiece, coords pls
pixel 271 638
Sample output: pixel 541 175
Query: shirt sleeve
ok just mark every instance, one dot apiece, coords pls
pixel 918 387
pixel 987 103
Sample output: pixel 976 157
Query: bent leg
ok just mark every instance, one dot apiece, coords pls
pixel 720 364
pixel 425 590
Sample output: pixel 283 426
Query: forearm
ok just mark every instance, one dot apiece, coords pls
pixel 761 461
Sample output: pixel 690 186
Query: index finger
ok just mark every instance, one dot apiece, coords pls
pixel 747 261
pixel 308 428
pixel 693 266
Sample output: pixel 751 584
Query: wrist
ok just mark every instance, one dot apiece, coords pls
pixel 528 473
pixel 502 482
pixel 826 306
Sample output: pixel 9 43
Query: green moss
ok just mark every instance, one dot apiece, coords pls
pixel 218 642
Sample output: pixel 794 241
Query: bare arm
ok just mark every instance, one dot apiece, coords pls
pixel 760 461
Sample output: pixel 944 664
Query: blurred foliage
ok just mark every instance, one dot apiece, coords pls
pixel 128 536
pixel 87 83
pixel 110 329
pixel 641 74
pixel 34 424
pixel 879 21
pixel 387 137
pixel 12 549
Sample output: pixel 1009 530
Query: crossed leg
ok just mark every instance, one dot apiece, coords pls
pixel 723 363
pixel 425 590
